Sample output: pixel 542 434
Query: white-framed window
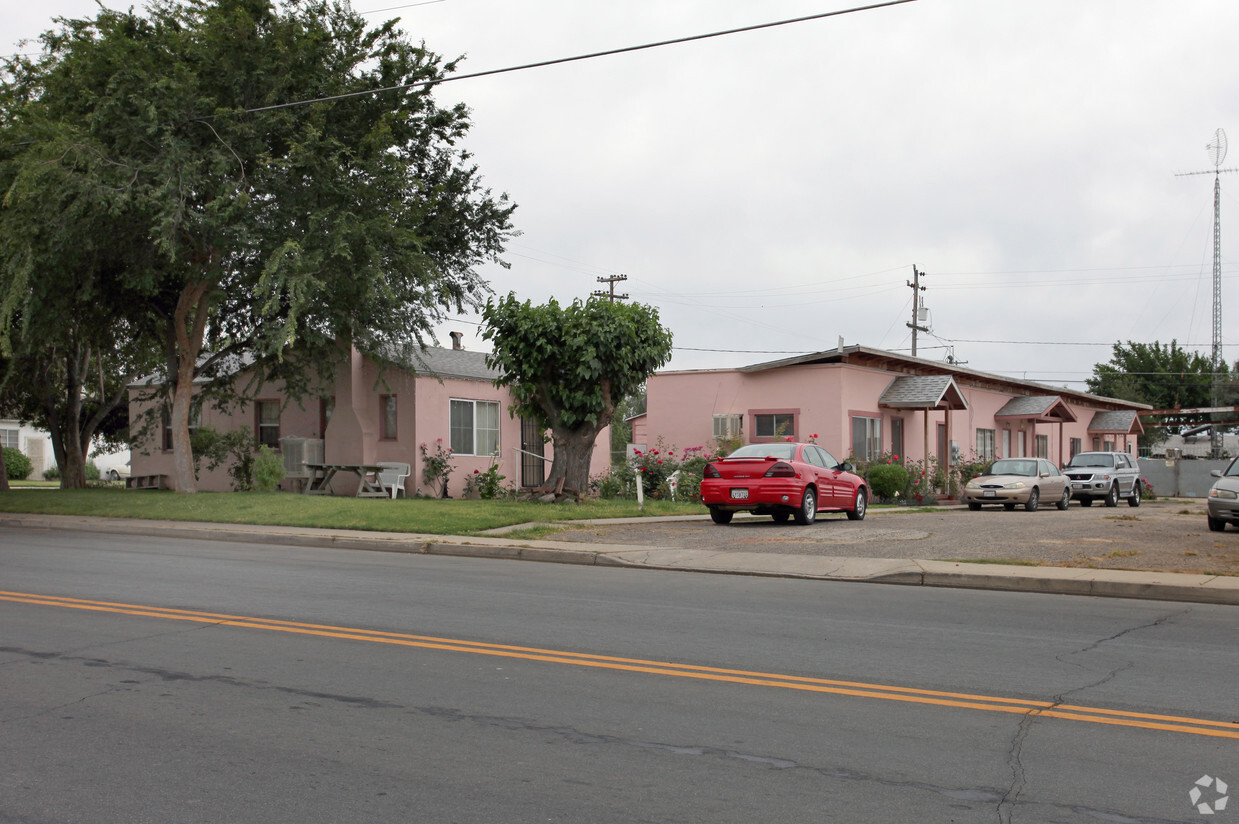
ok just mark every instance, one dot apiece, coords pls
pixel 986 441
pixel 9 438
pixel 1077 446
pixel 267 423
pixel 1043 446
pixel 866 438
pixel 474 427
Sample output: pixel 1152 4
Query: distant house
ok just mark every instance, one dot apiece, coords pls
pixel 366 415
pixel 34 443
pixel 867 403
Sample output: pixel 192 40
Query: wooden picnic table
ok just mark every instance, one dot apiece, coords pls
pixel 370 476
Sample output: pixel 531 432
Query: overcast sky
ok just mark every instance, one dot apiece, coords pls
pixel 770 191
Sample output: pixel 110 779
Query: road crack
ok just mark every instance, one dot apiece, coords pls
pixel 1015 762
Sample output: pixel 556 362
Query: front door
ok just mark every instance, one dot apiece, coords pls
pixel 533 451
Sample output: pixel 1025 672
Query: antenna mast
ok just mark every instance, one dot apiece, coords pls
pixel 1217 153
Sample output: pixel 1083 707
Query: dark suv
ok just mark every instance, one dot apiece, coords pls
pixel 1104 476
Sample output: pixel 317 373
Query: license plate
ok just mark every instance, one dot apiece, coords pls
pixel 989 493
pixel 739 494
pixel 1079 485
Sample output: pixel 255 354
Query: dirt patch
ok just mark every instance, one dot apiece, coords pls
pixel 1169 536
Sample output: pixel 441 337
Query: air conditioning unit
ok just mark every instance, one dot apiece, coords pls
pixel 727 426
pixel 297 452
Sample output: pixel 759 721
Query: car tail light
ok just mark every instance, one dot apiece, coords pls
pixel 711 472
pixel 781 470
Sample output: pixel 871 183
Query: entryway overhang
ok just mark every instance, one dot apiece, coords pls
pixel 923 392
pixel 1038 409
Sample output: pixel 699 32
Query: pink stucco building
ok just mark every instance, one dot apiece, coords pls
pixel 367 415
pixel 863 403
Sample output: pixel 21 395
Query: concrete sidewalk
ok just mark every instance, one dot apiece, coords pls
pixel 1167 586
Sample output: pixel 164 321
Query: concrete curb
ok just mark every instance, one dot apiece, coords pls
pixel 1162 586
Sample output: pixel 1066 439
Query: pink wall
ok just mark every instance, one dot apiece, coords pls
pixel 353 434
pixel 824 398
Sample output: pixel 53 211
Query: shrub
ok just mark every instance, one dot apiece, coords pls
pixel 888 481
pixel 268 470
pixel 487 485
pixel 655 467
pixel 91 472
pixel 437 465
pixel 16 465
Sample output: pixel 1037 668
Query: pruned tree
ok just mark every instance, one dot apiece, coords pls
pixel 255 227
pixel 569 367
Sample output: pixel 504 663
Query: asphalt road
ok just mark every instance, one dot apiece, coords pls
pixel 209 682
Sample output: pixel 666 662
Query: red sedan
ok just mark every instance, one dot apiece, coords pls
pixel 782 480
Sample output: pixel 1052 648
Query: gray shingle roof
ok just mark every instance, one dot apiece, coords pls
pixel 922 392
pixel 455 363
pixel 1028 405
pixel 1118 420
pixel 1047 407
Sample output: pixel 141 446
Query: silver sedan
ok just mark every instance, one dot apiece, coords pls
pixel 1019 481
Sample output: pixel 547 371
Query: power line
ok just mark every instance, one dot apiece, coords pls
pixel 405 6
pixel 590 56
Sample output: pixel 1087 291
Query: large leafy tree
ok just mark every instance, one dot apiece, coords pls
pixel 69 351
pixel 1165 377
pixel 569 367
pixel 252 227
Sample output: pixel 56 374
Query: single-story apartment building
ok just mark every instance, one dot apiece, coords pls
pixel 863 403
pixel 367 414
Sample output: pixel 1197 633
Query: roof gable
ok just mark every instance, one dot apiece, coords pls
pixel 1117 421
pixel 1044 408
pixel 923 392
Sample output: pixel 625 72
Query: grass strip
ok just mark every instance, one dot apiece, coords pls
pixel 427 515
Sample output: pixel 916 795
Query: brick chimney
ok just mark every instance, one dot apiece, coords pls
pixel 456 336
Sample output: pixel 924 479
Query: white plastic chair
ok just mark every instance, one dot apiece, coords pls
pixel 393 475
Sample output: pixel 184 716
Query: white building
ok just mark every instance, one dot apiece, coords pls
pixel 36 444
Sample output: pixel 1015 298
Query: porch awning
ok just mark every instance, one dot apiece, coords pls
pixel 1117 422
pixel 1037 408
pixel 923 392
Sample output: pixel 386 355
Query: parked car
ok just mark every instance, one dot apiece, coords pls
pixel 1223 503
pixel 1023 481
pixel 782 480
pixel 1104 476
pixel 118 472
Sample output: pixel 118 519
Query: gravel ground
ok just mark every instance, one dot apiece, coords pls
pixel 1163 535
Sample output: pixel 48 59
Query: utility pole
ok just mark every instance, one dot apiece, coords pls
pixel 918 306
pixel 611 294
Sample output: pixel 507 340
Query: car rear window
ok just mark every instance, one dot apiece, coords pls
pixel 783 451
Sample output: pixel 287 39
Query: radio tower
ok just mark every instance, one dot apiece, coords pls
pixel 1217 153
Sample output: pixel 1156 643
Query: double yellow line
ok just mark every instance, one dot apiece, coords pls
pixel 1048 709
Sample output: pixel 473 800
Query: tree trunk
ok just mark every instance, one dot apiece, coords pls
pixel 4 473
pixel 573 451
pixel 189 324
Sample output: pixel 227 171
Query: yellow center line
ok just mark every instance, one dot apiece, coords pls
pixel 1096 715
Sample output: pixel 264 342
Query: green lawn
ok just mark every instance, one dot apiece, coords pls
pixel 438 517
